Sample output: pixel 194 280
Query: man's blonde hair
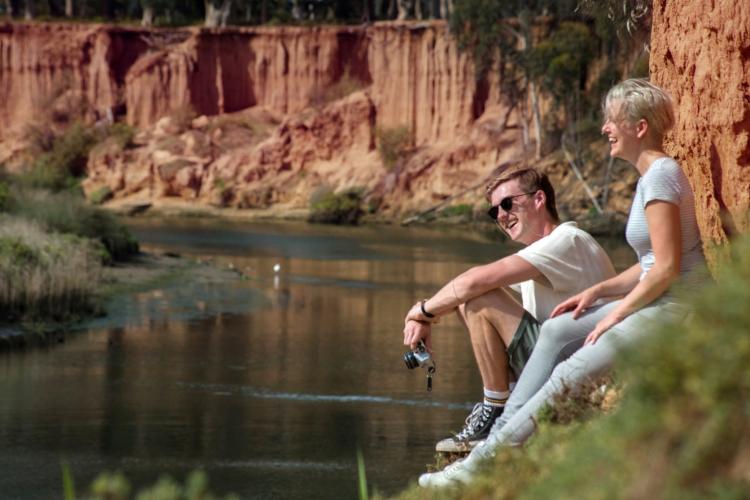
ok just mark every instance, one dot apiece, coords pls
pixel 641 99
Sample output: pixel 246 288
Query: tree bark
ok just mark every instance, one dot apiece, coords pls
pixel 537 119
pixel 217 16
pixel 446 8
pixel 403 9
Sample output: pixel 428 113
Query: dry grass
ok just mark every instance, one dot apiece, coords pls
pixel 45 275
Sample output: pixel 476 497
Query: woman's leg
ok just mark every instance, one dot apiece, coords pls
pixel 559 338
pixel 587 363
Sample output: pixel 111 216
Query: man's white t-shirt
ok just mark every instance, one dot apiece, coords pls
pixel 571 259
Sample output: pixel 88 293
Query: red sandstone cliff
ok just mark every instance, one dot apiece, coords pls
pixel 408 75
pixel 286 135
pixel 701 54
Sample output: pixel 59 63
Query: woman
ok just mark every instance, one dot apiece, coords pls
pixel 663 232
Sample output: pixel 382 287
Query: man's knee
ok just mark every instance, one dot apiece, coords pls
pixel 489 301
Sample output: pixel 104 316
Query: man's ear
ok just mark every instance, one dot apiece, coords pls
pixel 540 198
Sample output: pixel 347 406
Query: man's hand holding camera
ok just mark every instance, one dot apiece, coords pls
pixel 418 326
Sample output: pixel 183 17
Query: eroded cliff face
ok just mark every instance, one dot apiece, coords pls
pixel 290 110
pixel 330 90
pixel 701 54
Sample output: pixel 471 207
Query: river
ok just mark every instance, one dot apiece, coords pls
pixel 270 384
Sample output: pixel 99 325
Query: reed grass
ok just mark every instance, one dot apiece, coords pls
pixel 45 276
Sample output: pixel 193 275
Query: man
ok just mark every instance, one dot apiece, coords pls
pixel 559 261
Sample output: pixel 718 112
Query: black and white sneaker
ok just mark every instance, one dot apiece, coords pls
pixel 477 428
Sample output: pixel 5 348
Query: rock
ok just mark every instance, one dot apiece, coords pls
pixel 700 52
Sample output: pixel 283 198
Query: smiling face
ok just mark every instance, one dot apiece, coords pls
pixel 525 219
pixel 623 137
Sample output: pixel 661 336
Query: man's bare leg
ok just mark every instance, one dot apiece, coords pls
pixel 491 320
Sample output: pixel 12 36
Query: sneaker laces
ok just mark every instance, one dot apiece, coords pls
pixel 474 421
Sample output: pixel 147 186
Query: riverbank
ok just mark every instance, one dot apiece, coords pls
pixel 609 224
pixel 143 272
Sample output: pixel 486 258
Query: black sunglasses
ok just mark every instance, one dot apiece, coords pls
pixel 506 204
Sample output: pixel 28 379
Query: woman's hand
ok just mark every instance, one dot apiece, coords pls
pixel 601 327
pixel 414 331
pixel 578 303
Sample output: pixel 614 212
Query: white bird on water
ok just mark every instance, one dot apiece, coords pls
pixel 276 267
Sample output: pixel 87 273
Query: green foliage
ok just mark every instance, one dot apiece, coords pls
pixel 69 492
pixel 461 210
pixel 333 208
pixel 394 144
pixel 115 486
pixel 680 428
pixel 122 134
pixel 66 212
pixel 559 63
pixel 361 476
pixel 100 195
pixel 45 276
pixel 5 196
pixel 58 168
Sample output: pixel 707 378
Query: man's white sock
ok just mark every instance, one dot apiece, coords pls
pixel 495 398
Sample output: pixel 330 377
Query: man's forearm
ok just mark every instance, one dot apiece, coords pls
pixel 477 281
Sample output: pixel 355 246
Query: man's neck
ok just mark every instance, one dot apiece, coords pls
pixel 544 229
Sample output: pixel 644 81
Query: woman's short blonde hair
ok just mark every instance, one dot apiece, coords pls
pixel 642 99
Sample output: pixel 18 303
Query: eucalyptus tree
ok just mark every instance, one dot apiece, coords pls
pixel 217 12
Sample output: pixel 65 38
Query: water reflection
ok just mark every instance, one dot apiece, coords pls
pixel 269 383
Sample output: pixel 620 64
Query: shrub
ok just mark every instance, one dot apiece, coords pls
pixel 100 195
pixel 5 196
pixel 115 486
pixel 67 213
pixel 58 168
pixel 45 276
pixel 393 144
pixel 332 208
pixel 122 134
pixel 462 211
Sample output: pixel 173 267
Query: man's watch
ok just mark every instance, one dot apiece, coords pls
pixel 424 311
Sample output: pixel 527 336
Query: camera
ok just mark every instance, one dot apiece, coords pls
pixel 417 357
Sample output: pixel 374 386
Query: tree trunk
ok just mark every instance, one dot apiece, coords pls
pixel 9 8
pixel 296 10
pixel 537 119
pixel 217 16
pixel 446 8
pixel 68 8
pixel 28 12
pixel 418 9
pixel 148 16
pixel 403 9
